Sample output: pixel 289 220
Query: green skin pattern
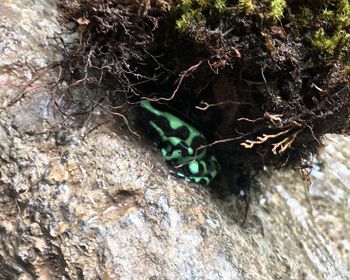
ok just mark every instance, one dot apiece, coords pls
pixel 179 142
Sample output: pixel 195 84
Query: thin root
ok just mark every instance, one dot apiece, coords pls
pixel 284 144
pixel 248 144
pixel 277 148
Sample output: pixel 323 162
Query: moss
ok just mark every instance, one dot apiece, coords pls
pixel 220 5
pixel 277 9
pixel 346 70
pixel 191 10
pixel 185 20
pixel 246 6
pixel 332 38
pixel 329 45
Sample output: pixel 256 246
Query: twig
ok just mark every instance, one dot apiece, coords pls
pixel 249 120
pixel 207 105
pixel 183 75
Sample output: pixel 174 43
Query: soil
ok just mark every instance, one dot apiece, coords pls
pixel 253 82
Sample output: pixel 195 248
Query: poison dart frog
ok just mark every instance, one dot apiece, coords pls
pixel 181 145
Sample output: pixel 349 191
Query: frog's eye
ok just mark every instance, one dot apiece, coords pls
pixel 171 126
pixel 163 123
pixel 181 132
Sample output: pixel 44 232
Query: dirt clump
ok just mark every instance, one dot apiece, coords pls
pixel 263 81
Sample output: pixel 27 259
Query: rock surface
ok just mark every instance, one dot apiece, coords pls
pixel 81 201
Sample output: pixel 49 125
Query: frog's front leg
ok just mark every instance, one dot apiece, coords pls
pixel 198 171
pixel 204 170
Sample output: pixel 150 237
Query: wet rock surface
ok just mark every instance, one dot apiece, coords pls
pixel 80 201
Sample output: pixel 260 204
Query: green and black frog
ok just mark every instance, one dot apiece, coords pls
pixel 183 146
